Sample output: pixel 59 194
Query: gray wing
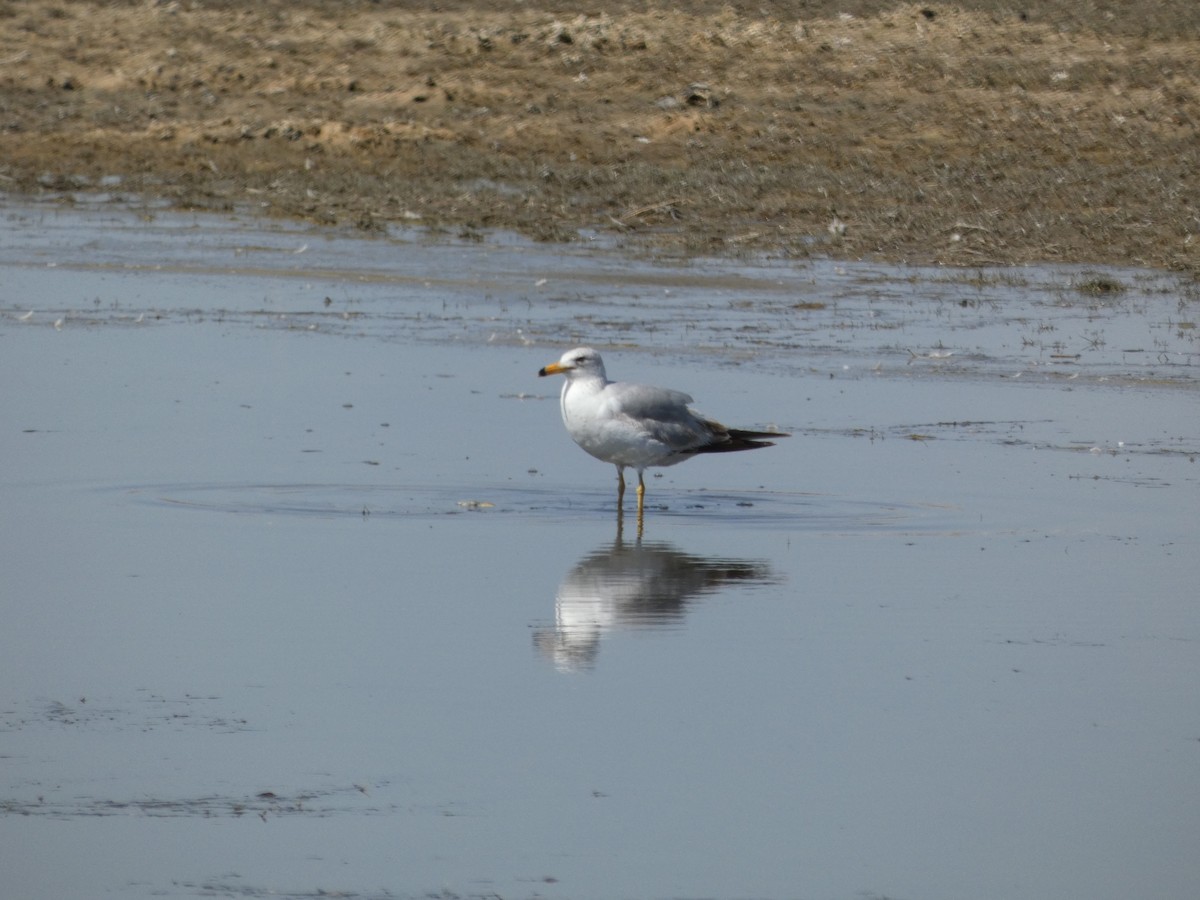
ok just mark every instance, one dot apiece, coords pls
pixel 644 401
pixel 663 414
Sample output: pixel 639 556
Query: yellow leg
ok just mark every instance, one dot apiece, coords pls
pixel 641 492
pixel 620 485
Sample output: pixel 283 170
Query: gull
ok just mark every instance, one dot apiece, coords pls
pixel 638 425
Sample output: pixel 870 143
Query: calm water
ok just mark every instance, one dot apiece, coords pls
pixel 307 593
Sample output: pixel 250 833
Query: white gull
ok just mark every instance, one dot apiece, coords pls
pixel 638 425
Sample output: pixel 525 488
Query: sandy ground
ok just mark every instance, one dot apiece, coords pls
pixel 981 132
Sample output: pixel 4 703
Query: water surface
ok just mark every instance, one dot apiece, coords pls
pixel 308 593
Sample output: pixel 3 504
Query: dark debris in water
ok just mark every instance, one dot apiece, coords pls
pixel 227 886
pixel 1100 286
pixel 152 712
pixel 1033 433
pixel 266 804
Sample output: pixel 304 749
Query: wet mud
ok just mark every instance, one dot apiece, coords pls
pixel 970 134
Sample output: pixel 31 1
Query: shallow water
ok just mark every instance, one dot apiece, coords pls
pixel 308 592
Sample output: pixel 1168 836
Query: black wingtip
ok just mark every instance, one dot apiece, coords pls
pixel 739 434
pixel 741 440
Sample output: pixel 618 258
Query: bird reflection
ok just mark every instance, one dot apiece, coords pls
pixel 627 586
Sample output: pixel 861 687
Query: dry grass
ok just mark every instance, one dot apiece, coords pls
pixel 967 134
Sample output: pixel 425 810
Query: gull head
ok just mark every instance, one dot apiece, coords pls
pixel 582 361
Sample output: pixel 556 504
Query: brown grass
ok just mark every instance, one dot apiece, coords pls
pixel 967 134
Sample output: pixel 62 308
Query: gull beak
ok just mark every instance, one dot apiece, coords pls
pixel 553 369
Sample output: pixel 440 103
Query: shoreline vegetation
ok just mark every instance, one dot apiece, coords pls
pixel 967 134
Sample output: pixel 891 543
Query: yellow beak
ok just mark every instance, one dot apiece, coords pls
pixel 553 369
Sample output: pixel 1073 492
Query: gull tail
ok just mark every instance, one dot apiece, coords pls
pixel 727 440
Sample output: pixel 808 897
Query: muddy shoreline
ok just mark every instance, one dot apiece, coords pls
pixel 959 135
